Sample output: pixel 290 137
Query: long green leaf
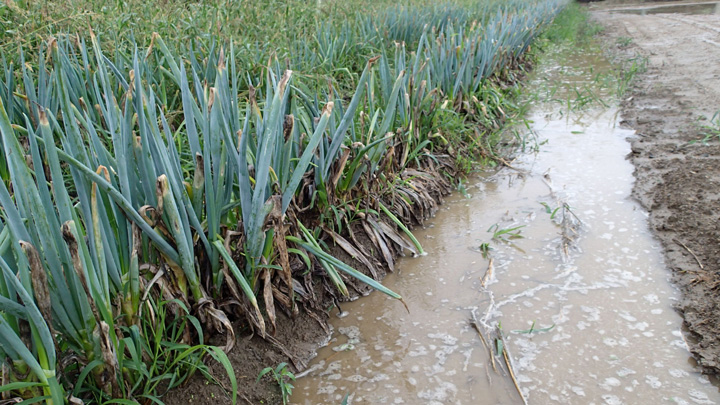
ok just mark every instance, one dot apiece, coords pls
pixel 344 267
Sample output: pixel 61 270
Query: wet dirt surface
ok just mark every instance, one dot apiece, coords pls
pixel 678 182
pixel 299 336
pixel 582 294
pixel 688 9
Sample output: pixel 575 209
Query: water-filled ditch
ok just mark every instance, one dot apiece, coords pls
pixel 577 285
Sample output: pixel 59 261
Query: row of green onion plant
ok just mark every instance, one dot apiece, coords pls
pixel 144 196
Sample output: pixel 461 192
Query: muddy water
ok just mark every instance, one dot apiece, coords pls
pixel 581 294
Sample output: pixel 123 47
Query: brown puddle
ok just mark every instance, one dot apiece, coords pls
pixel 603 290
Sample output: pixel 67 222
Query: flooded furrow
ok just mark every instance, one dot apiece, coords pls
pixel 552 254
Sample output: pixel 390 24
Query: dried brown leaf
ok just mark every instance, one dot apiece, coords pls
pixel 268 297
pixel 40 284
pixel 352 251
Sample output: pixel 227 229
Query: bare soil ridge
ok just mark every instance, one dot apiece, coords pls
pixel 678 182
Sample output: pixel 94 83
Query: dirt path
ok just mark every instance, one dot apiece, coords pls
pixel 679 183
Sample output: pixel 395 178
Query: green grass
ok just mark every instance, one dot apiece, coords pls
pixel 572 25
pixel 506 234
pixel 710 131
pixel 283 378
pixel 572 44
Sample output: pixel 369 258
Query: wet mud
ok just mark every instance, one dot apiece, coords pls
pixel 683 9
pixel 678 181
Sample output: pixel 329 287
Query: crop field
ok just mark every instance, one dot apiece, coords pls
pixel 172 168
